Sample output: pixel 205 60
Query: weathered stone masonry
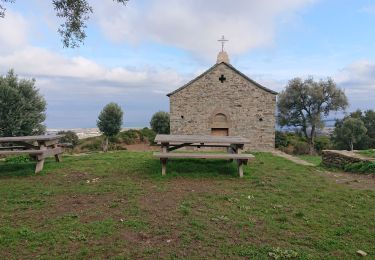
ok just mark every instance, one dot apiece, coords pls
pixel 223 101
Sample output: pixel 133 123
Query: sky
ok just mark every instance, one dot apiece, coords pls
pixel 135 54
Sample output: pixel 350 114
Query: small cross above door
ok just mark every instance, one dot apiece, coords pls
pixel 222 78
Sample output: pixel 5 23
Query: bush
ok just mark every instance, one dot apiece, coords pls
pixel 17 159
pixel 149 134
pixel 129 136
pixel 92 144
pixel 322 143
pixel 69 137
pixel 160 123
pixel 301 147
pixel 360 167
pixel 281 139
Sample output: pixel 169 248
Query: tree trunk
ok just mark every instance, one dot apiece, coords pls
pixel 351 145
pixel 311 141
pixel 105 144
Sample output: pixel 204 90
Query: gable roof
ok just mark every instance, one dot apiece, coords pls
pixel 229 66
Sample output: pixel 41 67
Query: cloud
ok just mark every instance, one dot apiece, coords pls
pixel 368 9
pixel 42 63
pixel 13 32
pixel 196 25
pixel 358 80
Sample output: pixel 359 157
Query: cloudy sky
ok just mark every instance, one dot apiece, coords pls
pixel 136 54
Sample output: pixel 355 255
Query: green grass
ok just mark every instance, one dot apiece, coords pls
pixel 314 159
pixel 118 206
pixel 368 153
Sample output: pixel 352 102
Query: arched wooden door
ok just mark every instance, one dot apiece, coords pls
pixel 220 125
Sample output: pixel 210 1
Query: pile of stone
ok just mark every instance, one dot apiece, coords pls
pixel 335 158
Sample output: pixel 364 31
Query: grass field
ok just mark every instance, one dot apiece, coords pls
pixel 118 206
pixel 314 159
pixel 369 153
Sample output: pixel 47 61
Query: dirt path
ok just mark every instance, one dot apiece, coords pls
pixel 291 158
pixel 357 181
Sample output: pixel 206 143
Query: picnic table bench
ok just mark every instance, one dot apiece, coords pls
pixel 234 145
pixel 38 147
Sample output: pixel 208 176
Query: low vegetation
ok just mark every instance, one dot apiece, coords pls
pixel 295 143
pixel 368 153
pixel 361 167
pixel 118 142
pixel 117 205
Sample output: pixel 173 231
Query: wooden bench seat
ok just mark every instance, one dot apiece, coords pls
pixel 39 155
pixel 240 158
pixel 32 152
pixel 205 155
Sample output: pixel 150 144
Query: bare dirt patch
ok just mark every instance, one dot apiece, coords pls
pixel 143 147
pixel 357 181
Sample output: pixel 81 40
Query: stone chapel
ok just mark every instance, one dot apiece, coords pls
pixel 224 101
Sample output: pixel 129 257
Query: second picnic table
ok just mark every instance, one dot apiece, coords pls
pixel 234 145
pixel 39 147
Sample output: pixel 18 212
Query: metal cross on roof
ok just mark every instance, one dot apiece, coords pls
pixel 222 40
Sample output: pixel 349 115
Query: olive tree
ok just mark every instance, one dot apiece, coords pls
pixel 75 14
pixel 350 131
pixel 22 108
pixel 304 104
pixel 160 122
pixel 69 137
pixel 109 122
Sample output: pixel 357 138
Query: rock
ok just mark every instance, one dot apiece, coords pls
pixel 361 253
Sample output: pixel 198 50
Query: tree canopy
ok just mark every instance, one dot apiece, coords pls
pixel 350 131
pixel 110 121
pixel 367 141
pixel 22 108
pixel 304 104
pixel 160 122
pixel 75 14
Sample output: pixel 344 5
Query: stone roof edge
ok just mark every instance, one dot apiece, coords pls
pixel 231 67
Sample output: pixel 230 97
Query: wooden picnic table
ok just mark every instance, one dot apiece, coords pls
pixel 234 145
pixel 38 147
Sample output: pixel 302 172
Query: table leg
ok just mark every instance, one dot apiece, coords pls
pixel 163 166
pixel 240 168
pixel 40 161
pixel 58 157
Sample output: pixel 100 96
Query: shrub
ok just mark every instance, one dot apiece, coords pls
pixel 322 143
pixel 69 137
pixel 281 139
pixel 17 159
pixel 149 134
pixel 360 167
pixel 92 144
pixel 129 136
pixel 160 122
pixel 301 147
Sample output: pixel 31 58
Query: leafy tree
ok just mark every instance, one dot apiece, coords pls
pixel 22 108
pixel 69 137
pixel 350 131
pixel 75 13
pixel 160 122
pixel 110 122
pixel 304 104
pixel 367 141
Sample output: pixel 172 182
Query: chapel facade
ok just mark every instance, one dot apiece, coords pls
pixel 224 101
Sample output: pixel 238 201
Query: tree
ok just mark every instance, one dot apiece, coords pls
pixel 350 131
pixel 69 137
pixel 76 13
pixel 304 104
pixel 160 122
pixel 367 141
pixel 22 108
pixel 110 122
